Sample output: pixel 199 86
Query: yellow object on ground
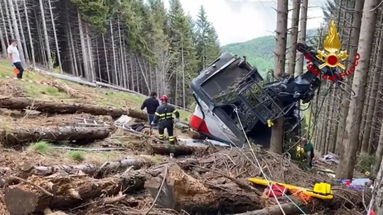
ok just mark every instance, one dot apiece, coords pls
pixel 321 190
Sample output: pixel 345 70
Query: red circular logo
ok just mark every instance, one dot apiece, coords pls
pixel 332 60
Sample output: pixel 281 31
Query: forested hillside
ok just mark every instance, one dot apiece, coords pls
pixel 259 51
pixel 133 44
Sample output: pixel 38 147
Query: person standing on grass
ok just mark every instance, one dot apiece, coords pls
pixel 151 104
pixel 14 57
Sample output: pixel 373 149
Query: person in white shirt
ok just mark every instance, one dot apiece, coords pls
pixel 14 57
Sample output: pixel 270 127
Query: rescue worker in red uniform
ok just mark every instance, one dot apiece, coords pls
pixel 164 117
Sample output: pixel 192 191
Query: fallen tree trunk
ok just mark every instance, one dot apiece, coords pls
pixel 182 191
pixel 288 209
pixel 38 193
pixel 105 169
pixel 64 88
pixel 21 103
pixel 166 149
pixel 176 150
pixel 17 136
pixel 137 114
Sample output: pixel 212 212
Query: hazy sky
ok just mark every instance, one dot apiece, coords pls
pixel 241 20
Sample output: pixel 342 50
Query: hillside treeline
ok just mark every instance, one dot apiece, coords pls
pixel 134 44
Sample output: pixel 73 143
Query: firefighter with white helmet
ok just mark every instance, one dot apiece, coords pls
pixel 164 117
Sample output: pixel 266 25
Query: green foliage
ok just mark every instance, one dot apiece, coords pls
pixel 96 12
pixel 169 40
pixel 365 163
pixel 206 41
pixel 182 49
pixel 42 147
pixel 77 156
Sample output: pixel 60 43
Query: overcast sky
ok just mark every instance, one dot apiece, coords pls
pixel 242 20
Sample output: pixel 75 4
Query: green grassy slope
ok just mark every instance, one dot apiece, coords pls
pixel 32 86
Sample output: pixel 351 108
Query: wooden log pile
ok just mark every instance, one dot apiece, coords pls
pixel 171 186
pixel 37 194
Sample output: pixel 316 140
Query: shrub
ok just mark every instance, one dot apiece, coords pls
pixel 77 156
pixel 42 147
pixel 365 162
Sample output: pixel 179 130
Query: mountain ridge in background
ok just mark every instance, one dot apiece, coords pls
pixel 259 52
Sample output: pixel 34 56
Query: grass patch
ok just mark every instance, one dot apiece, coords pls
pixel 40 91
pixel 7 128
pixel 157 159
pixel 119 99
pixel 42 147
pixel 102 157
pixel 77 156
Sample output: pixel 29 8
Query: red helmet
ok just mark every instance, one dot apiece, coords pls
pixel 164 98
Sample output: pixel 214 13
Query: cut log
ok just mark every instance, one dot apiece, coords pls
pixel 137 114
pixel 105 169
pixel 176 150
pixel 18 136
pixel 288 208
pixel 21 103
pixel 121 165
pixel 166 149
pixel 49 170
pixel 67 192
pixel 64 88
pixel 182 191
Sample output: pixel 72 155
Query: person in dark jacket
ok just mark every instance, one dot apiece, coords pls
pixel 151 104
pixel 164 117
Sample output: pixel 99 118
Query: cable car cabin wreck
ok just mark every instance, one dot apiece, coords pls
pixel 233 100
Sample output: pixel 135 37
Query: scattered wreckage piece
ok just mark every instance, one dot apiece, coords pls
pixel 21 103
pixel 36 193
pixel 19 136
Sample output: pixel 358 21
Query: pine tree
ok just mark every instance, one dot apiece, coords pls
pixel 206 40
pixel 350 141
pixel 182 51
pixel 276 142
pixel 159 45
